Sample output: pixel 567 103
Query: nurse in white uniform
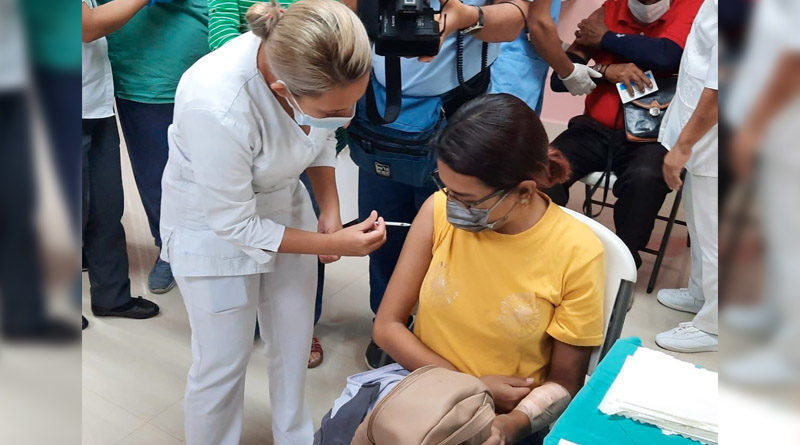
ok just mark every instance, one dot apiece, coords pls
pixel 238 226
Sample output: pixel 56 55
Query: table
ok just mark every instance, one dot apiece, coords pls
pixel 583 423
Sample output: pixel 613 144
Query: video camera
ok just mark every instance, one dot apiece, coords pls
pixel 401 28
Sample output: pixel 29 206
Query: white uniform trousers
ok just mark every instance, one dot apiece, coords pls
pixel 222 313
pixel 700 205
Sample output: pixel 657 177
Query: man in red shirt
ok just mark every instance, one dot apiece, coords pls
pixel 624 38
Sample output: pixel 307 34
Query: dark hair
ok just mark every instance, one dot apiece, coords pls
pixel 500 140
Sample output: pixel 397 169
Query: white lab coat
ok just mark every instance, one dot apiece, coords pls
pixel 230 188
pixel 96 79
pixel 698 70
pixel 231 184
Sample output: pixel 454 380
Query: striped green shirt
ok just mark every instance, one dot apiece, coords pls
pixel 226 19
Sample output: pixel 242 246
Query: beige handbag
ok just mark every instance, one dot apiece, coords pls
pixel 431 406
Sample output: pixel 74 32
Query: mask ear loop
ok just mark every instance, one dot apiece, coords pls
pixel 503 218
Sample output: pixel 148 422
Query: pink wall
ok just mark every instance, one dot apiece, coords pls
pixel 560 107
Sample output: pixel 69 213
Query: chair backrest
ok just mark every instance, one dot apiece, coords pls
pixel 620 279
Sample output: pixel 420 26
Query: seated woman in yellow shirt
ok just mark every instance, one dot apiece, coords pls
pixel 509 287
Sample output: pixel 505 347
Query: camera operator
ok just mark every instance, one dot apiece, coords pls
pixel 397 182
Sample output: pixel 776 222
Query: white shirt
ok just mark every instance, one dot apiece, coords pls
pixel 13 63
pixel 439 76
pixel 231 185
pixel 98 84
pixel 698 71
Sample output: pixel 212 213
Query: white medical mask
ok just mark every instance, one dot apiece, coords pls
pixel 648 13
pixel 303 119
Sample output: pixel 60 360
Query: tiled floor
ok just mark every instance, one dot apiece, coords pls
pixel 134 371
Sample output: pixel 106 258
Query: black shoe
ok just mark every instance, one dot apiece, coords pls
pixel 84 323
pixel 137 308
pixel 51 332
pixel 375 357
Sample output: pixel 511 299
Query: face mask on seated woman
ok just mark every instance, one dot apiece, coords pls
pixel 469 216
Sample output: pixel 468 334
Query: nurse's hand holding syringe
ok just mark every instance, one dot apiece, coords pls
pixel 357 240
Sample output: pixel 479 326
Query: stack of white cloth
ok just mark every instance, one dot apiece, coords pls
pixel 674 395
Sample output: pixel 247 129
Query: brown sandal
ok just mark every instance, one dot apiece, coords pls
pixel 315 347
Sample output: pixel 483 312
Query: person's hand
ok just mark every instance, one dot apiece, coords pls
pixel 629 74
pixel 503 431
pixel 329 223
pixel 674 162
pixel 498 436
pixel 362 238
pixel 506 391
pixel 592 29
pixel 745 145
pixel 580 82
pixel 454 16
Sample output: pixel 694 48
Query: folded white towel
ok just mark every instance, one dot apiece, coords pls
pixel 674 395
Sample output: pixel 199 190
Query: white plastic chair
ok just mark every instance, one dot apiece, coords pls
pixel 620 280
pixel 589 182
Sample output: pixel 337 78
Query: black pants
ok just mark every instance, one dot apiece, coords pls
pixel 640 188
pixel 103 235
pixel 21 288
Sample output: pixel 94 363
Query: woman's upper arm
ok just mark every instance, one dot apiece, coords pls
pixel 402 293
pixel 568 365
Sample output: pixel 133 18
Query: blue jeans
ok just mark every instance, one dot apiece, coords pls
pixel 394 202
pixel 145 129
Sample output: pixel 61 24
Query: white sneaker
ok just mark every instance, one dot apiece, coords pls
pixel 680 300
pixel 687 338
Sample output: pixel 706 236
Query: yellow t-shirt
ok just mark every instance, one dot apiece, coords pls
pixel 492 303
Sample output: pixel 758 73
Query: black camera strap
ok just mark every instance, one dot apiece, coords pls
pixel 460 62
pixel 394 88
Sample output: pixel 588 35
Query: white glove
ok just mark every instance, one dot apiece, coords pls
pixel 580 82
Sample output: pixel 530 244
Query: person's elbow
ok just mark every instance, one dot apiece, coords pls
pixel 381 332
pixel 89 31
pixel 385 328
pixel 541 28
pixel 668 58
